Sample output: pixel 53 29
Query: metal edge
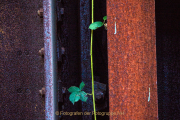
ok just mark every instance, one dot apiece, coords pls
pixel 50 59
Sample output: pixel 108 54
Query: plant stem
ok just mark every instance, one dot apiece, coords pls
pixel 89 94
pixel 92 75
pixel 91 53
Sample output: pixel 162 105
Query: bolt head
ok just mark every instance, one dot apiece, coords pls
pixel 105 25
pixel 42 91
pixel 40 12
pixel 41 52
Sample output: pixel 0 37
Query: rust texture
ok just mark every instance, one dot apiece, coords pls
pixel 21 68
pixel 132 60
pixel 50 59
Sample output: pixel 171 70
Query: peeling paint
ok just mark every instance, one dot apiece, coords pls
pixel 115 30
pixel 149 94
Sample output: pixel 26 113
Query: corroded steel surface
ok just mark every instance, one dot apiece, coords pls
pixel 21 68
pixel 132 60
pixel 85 56
pixel 50 59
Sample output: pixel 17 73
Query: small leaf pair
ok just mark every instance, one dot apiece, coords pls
pixel 97 24
pixel 77 94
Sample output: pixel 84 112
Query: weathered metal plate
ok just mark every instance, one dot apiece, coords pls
pixel 21 68
pixel 132 59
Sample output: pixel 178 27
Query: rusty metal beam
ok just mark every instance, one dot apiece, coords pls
pixel 50 37
pixel 85 57
pixel 132 59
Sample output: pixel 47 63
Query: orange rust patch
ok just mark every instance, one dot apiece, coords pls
pixel 132 59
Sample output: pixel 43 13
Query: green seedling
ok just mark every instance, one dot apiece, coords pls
pixel 98 24
pixel 77 93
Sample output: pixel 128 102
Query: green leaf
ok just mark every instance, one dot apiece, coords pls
pixel 105 18
pixel 74 97
pixel 73 89
pixel 95 25
pixel 83 96
pixel 81 85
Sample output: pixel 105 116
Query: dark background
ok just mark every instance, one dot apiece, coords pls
pixel 74 36
pixel 168 58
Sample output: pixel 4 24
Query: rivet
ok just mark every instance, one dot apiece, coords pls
pixel 63 90
pixel 99 95
pixel 62 50
pixel 26 52
pixel 62 11
pixel 41 52
pixel 19 90
pixel 42 91
pixel 40 12
pixel 19 52
pixel 105 25
pixel 27 90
